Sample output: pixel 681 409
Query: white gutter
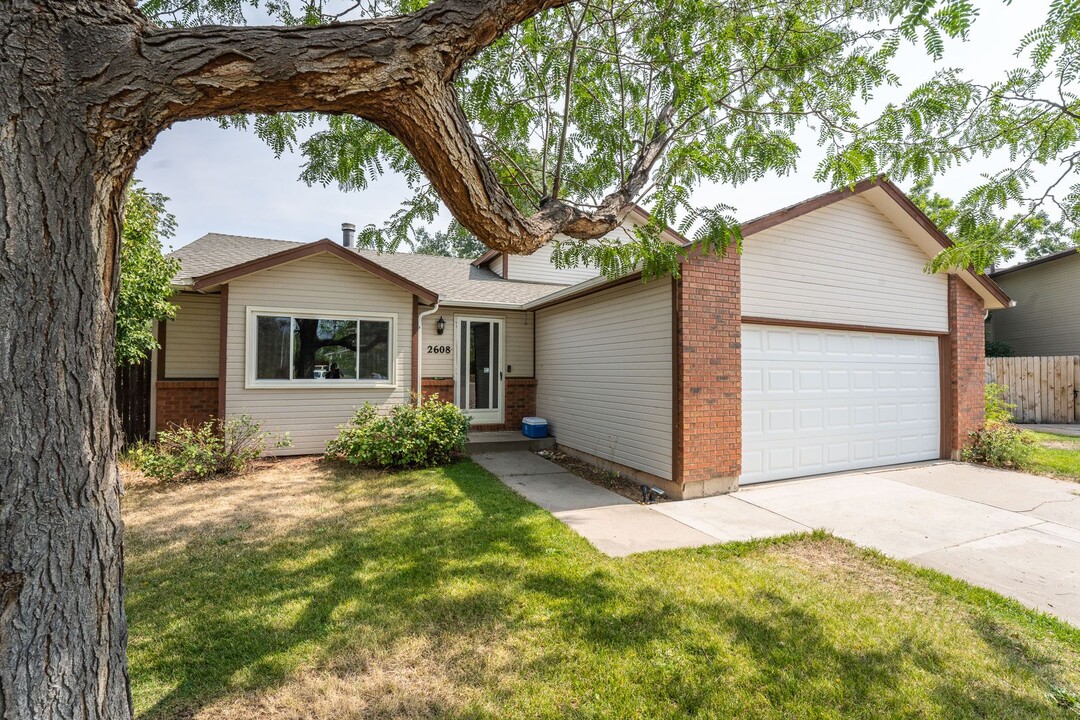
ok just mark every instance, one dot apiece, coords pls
pixel 484 304
pixel 420 352
pixel 598 281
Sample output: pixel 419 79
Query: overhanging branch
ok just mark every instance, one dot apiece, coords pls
pixel 396 72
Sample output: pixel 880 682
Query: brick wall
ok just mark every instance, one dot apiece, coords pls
pixel 443 387
pixel 966 372
pixel 520 400
pixel 190 402
pixel 707 444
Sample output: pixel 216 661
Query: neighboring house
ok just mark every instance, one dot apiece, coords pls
pixel 822 347
pixel 1046 320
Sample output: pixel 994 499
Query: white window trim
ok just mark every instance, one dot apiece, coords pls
pixel 250 364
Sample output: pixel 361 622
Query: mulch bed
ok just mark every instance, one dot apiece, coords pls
pixel 627 487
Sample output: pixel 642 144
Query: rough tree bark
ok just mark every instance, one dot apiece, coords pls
pixel 85 86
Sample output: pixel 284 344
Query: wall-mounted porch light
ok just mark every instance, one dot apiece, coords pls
pixel 440 325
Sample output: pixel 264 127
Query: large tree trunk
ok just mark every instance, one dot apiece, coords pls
pixel 62 625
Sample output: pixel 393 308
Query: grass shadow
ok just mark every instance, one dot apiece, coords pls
pixel 454 572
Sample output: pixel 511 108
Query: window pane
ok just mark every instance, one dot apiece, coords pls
pixel 272 348
pixel 373 348
pixel 324 349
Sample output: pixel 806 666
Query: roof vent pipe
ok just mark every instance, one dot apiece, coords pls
pixel 348 233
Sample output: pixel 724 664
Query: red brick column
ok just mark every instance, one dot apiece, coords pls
pixel 520 401
pixel 707 417
pixel 964 407
pixel 185 402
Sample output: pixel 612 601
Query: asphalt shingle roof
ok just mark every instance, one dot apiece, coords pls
pixel 453 279
pixel 214 251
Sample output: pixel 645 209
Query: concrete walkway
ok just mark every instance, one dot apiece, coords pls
pixel 1013 533
pixel 1055 428
pixel 614 525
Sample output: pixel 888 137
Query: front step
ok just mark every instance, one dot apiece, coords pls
pixel 506 441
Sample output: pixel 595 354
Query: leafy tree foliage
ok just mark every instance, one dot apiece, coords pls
pixel 608 102
pixel 454 242
pixel 144 274
pixel 1031 115
pixel 994 240
pixel 603 103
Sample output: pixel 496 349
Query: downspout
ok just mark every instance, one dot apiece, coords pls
pixel 420 352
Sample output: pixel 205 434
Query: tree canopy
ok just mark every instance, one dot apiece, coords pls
pixel 599 104
pixel 994 240
pixel 145 274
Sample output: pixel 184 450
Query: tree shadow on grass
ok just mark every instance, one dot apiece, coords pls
pixel 453 555
pixel 228 614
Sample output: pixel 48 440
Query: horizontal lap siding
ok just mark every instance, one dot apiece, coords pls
pixel 311 415
pixel 538 267
pixel 193 337
pixel 519 340
pixel 1046 319
pixel 604 375
pixel 845 263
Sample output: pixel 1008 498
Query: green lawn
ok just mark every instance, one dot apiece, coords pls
pixel 1057 455
pixel 306 590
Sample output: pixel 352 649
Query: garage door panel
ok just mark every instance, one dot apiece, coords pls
pixel 817 401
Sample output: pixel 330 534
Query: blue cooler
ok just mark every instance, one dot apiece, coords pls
pixel 534 427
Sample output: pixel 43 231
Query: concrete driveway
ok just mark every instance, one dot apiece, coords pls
pixel 1014 533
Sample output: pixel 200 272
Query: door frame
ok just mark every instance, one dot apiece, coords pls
pixel 486 417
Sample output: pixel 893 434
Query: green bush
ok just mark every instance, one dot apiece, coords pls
pixel 427 435
pixel 213 448
pixel 997 410
pixel 996 348
pixel 998 443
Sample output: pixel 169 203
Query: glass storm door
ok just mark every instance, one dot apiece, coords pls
pixel 479 380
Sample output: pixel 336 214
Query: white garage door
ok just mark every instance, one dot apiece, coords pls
pixel 820 401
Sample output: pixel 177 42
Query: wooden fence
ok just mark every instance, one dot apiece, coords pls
pixel 1044 389
pixel 133 401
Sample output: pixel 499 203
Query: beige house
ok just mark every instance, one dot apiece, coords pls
pixel 1046 320
pixel 822 347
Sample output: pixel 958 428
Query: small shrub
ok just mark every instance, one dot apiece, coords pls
pixel 426 435
pixel 213 448
pixel 996 348
pixel 1001 445
pixel 997 410
pixel 133 455
pixel 998 443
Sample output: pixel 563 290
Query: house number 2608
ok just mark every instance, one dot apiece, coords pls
pixel 438 349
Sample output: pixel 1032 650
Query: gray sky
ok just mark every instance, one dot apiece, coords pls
pixel 229 181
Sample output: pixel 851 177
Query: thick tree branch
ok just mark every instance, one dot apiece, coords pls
pixel 396 72
pixel 342 67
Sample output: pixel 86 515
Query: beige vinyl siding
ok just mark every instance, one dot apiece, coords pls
pixel 321 282
pixel 193 337
pixel 518 341
pixel 845 263
pixel 538 267
pixel 604 374
pixel 1046 319
pixel 496 265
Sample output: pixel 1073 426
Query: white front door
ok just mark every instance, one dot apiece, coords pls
pixel 819 401
pixel 478 378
